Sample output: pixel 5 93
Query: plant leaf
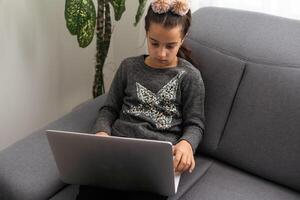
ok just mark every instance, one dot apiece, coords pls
pixel 140 11
pixel 80 17
pixel 87 23
pixel 72 9
pixel 119 8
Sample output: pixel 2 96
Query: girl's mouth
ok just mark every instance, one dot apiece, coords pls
pixel 162 61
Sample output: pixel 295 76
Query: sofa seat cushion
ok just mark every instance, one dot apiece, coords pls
pixel 67 193
pixel 223 182
pixel 187 180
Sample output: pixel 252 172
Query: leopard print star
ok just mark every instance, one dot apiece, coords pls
pixel 159 107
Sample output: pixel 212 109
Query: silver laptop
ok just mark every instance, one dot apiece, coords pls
pixel 114 162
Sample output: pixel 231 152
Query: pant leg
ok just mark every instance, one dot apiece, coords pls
pixel 146 196
pixel 95 193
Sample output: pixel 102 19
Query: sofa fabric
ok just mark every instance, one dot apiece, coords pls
pixel 247 35
pixel 27 168
pixel 221 76
pixel 261 133
pixel 223 182
pixel 28 171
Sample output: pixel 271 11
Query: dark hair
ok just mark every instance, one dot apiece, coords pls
pixel 171 20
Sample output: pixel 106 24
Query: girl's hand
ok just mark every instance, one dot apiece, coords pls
pixel 102 134
pixel 183 157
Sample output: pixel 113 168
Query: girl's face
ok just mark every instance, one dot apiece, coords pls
pixel 163 45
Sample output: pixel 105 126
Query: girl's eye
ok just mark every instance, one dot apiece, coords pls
pixel 170 47
pixel 155 44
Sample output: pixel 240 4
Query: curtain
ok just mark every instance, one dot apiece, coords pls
pixel 283 8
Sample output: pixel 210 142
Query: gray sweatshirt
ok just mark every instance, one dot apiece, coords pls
pixel 151 103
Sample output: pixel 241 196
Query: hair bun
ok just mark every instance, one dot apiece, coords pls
pixel 180 7
pixel 161 6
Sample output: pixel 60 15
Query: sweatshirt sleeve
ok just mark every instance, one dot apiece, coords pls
pixel 193 93
pixel 109 112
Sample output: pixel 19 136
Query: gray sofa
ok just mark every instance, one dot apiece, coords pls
pixel 250 64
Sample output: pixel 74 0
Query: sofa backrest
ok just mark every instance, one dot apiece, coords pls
pixel 250 64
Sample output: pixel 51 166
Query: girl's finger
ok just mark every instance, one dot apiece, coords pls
pixel 189 163
pixel 192 165
pixel 177 159
pixel 182 163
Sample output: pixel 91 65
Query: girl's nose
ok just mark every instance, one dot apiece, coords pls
pixel 162 52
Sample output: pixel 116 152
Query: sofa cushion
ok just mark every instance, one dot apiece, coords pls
pixel 263 131
pixel 249 35
pixel 27 168
pixel 28 171
pixel 221 76
pixel 223 182
pixel 187 180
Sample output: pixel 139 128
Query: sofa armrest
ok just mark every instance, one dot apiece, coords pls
pixel 28 169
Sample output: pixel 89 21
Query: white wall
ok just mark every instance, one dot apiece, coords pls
pixel 43 71
pixel 127 40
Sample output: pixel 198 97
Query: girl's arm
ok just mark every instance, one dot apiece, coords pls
pixel 109 112
pixel 193 93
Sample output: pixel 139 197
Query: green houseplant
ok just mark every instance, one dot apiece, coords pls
pixel 81 19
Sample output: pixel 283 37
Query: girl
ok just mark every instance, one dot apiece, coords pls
pixel 157 96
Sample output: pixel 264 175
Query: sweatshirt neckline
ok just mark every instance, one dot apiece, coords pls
pixel 143 57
